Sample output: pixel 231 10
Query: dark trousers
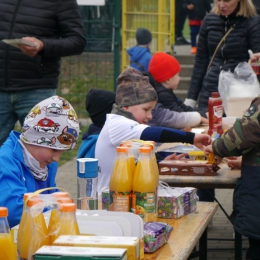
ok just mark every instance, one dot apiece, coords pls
pixel 180 17
pixel 254 249
pixel 194 31
pixel 206 194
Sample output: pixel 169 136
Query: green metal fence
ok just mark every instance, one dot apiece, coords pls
pixel 99 65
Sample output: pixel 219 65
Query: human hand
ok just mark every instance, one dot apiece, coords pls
pixel 31 51
pixel 174 156
pixel 254 57
pixel 190 6
pixel 201 140
pixel 234 162
pixel 204 121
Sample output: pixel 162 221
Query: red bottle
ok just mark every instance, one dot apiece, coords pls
pixel 215 110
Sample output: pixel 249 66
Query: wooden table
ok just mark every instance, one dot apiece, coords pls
pixel 224 179
pixel 187 231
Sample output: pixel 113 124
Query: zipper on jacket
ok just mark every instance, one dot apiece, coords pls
pixel 7 48
pixel 222 48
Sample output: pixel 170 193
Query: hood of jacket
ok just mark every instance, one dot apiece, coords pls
pixel 137 52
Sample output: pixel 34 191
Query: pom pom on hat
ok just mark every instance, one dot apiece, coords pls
pixel 51 123
pixel 99 102
pixel 143 36
pixel 134 89
pixel 163 66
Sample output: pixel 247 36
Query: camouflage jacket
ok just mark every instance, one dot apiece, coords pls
pixel 243 138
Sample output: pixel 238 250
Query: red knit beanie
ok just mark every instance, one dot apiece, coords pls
pixel 163 66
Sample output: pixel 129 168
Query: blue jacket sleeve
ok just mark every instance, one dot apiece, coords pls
pixel 166 135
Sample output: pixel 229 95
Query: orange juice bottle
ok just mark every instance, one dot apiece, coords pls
pixel 144 185
pixel 67 224
pixel 55 217
pixel 120 186
pixel 131 158
pixel 23 219
pixel 35 230
pixel 7 247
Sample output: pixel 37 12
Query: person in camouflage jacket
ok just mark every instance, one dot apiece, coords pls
pixel 244 139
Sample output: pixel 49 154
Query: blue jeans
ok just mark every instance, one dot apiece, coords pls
pixel 15 105
pixel 194 31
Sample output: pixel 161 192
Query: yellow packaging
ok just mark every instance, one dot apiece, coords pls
pixel 197 156
pixel 131 244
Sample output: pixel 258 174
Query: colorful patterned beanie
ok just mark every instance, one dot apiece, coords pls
pixel 51 123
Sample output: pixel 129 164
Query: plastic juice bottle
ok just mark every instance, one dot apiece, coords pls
pixel 144 185
pixel 7 247
pixel 23 219
pixel 55 217
pixel 120 186
pixel 131 158
pixel 35 230
pixel 67 224
pixel 215 110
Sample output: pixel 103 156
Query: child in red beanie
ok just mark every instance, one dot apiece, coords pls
pixel 165 69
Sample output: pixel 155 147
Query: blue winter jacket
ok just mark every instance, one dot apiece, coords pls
pixel 140 58
pixel 16 179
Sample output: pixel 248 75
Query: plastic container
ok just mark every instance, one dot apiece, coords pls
pixel 7 247
pixel 120 185
pixel 215 110
pixel 145 183
pixel 67 224
pixel 87 181
pixel 55 217
pixel 35 229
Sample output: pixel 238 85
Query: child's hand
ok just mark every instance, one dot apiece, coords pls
pixel 234 162
pixel 190 7
pixel 202 140
pixel 208 149
pixel 204 121
pixel 174 156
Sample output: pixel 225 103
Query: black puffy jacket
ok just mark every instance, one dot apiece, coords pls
pixel 233 50
pixel 57 23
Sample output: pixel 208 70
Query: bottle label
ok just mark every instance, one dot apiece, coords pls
pixel 120 201
pixel 143 203
pixel 217 116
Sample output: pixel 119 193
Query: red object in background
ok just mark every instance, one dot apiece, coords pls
pixel 215 110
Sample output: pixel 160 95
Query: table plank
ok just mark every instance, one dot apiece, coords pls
pixel 186 233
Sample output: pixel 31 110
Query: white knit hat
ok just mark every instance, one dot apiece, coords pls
pixel 51 123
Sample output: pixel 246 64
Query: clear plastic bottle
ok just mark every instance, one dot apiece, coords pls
pixel 55 218
pixel 144 185
pixel 7 247
pixel 21 229
pixel 67 224
pixel 120 185
pixel 35 230
pixel 215 110
pixel 87 182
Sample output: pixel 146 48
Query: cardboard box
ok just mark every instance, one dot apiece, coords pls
pixel 131 244
pixel 187 167
pixel 79 253
pixel 176 202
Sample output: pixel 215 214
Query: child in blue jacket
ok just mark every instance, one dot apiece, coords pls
pixel 140 55
pixel 29 160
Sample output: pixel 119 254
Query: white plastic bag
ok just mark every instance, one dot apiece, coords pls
pixel 242 85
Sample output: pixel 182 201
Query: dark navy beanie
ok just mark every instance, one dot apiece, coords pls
pixel 99 102
pixel 143 36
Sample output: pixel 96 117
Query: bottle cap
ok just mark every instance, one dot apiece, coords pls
pixel 145 149
pixel 67 207
pixel 29 194
pixel 215 94
pixel 87 167
pixel 32 202
pixel 60 194
pixel 3 212
pixel 122 149
pixel 65 200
